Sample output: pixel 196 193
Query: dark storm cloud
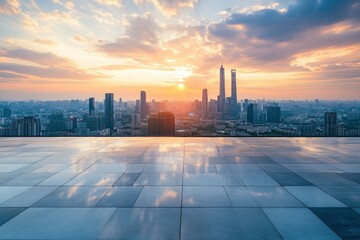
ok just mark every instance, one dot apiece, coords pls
pixel 270 24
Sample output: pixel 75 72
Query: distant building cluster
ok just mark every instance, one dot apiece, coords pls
pixel 223 116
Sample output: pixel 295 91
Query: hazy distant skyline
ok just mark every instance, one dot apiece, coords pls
pixel 172 49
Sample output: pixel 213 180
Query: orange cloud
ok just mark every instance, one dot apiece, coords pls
pixel 110 2
pixel 47 42
pixel 10 7
pixel 170 7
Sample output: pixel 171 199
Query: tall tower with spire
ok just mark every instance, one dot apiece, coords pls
pixel 222 92
pixel 233 104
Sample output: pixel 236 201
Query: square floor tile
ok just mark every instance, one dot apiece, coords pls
pixel 73 197
pixel 135 168
pixel 107 168
pixel 222 168
pixel 240 197
pixel 349 195
pixel 299 223
pixel 273 168
pixel 163 168
pixel 205 196
pixel 94 179
pixel 226 223
pixel 245 168
pixel 7 192
pixel 123 196
pixel 210 179
pixel 58 179
pixel 273 197
pixel 312 196
pixel 29 197
pixel 51 168
pixel 313 167
pixel 343 221
pixel 76 168
pixel 159 196
pixel 355 177
pixel 27 179
pixel 289 179
pixel 7 214
pixel 327 179
pixel 127 179
pixel 199 168
pixel 8 168
pixel 57 223
pixel 7 176
pixel 165 179
pixel 143 223
pixel 257 179
pixel 261 159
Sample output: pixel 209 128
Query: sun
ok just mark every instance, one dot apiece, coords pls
pixel 181 86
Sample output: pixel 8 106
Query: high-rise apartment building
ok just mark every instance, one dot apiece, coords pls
pixel 161 124
pixel 273 114
pixel 143 105
pixel 252 113
pixel 56 122
pixel 91 106
pixel 109 111
pixel 26 127
pixel 330 128
pixel 204 103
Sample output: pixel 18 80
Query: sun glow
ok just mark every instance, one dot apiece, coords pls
pixel 181 86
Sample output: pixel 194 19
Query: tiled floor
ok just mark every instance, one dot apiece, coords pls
pixel 180 188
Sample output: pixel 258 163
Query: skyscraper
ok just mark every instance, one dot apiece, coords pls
pixel 330 124
pixel 161 124
pixel 273 114
pixel 109 111
pixel 222 93
pixel 204 103
pixel 91 106
pixel 233 101
pixel 143 105
pixel 56 122
pixel 252 113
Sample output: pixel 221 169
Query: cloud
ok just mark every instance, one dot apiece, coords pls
pixel 140 38
pixel 9 75
pixel 46 72
pixel 283 25
pixel 48 65
pixel 10 7
pixel 43 58
pixel 46 42
pixel 272 40
pixel 110 2
pixel 79 38
pixel 170 7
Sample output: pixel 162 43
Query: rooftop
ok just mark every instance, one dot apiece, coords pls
pixel 179 188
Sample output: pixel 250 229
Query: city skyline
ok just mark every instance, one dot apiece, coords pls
pixel 57 50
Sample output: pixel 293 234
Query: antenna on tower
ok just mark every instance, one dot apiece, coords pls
pixel 221 63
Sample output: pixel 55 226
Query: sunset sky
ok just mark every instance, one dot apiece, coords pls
pixel 298 49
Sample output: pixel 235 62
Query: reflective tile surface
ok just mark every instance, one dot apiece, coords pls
pixel 179 188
